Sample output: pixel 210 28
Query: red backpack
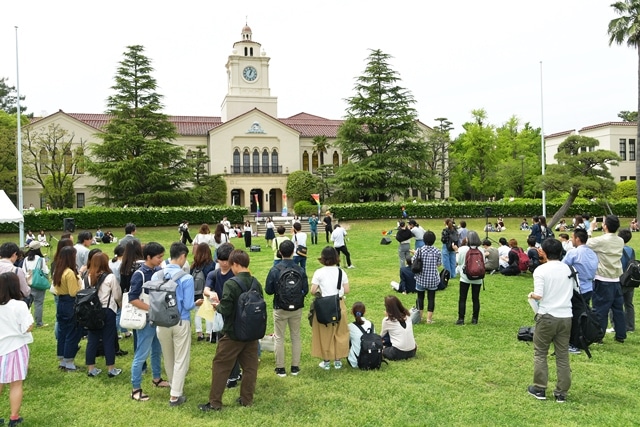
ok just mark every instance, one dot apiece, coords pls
pixel 523 259
pixel 474 264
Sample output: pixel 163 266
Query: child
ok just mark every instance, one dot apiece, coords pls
pixel 15 336
pixel 358 309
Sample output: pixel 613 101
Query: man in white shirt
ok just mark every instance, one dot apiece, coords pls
pixel 9 255
pixel 82 249
pixel 338 239
pixel 553 289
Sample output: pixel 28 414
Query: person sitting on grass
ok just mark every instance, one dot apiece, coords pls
pixel 398 330
pixel 355 333
pixel 532 253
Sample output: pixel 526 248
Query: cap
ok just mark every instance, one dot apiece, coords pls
pixel 34 245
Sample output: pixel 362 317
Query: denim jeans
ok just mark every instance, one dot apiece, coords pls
pixel 449 261
pixel 68 332
pixel 301 261
pixel 147 343
pixel 608 296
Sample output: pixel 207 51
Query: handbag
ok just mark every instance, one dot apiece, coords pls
pixel 328 308
pixel 301 250
pixel 39 280
pixel 416 264
pixel 131 316
pixel 525 333
pixel 415 316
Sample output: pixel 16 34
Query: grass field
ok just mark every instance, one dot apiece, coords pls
pixel 462 375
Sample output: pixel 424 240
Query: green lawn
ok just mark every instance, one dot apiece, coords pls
pixel 462 375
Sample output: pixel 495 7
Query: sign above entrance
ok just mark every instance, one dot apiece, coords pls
pixel 255 128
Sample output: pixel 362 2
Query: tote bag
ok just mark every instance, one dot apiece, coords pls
pixel 39 280
pixel 131 316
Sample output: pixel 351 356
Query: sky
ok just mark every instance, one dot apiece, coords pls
pixel 548 62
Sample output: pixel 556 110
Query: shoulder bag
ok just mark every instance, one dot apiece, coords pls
pixel 39 280
pixel 131 316
pixel 327 309
pixel 301 250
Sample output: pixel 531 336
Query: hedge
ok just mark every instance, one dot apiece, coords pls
pixel 113 218
pixel 518 208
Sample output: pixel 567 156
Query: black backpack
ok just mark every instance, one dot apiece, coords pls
pixel 444 279
pixel 370 356
pixel 289 289
pixel 631 276
pixel 199 280
pixel 88 308
pixel 585 326
pixel 250 323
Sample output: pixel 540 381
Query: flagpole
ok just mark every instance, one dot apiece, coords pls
pixel 544 160
pixel 19 146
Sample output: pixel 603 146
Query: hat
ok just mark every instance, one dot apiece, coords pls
pixel 34 245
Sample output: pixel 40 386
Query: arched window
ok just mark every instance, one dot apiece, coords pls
pixel 44 161
pixel 305 161
pixel 246 166
pixel 80 160
pixel 314 161
pixel 336 159
pixel 274 162
pixel 68 161
pixel 265 161
pixel 256 161
pixel 236 161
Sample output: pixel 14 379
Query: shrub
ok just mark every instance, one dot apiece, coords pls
pixel 305 208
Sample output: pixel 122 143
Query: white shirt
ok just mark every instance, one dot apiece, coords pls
pixel 29 266
pixel 401 338
pixel 15 319
pixel 109 292
pixel 354 335
pixel 326 278
pixel 299 239
pixel 338 237
pixel 503 251
pixel 209 239
pixel 551 282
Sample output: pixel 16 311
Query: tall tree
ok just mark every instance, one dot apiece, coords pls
pixel 207 189
pixel 628 116
pixel 8 132
pixel 579 167
pixel 137 163
pixel 9 98
pixel 320 146
pixel 626 28
pixel 380 136
pixel 438 161
pixel 55 160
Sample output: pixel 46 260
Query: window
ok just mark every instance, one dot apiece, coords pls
pixel 314 161
pixel 44 161
pixel 623 149
pixel 246 166
pixel 265 161
pixel 236 161
pixel 80 160
pixel 336 159
pixel 256 161
pixel 632 178
pixel 632 150
pixel 623 178
pixel 305 161
pixel 80 200
pixel 274 161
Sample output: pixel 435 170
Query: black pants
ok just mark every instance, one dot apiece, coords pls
pixel 346 253
pixel 462 300
pixel 186 237
pixel 431 300
pixel 247 239
pixel 327 233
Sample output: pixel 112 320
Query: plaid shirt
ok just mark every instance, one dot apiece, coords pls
pixel 428 278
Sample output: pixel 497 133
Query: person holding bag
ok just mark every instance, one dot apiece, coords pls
pixel 330 341
pixel 33 261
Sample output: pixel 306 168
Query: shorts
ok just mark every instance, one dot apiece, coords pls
pixel 13 365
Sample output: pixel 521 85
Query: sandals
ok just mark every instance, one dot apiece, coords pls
pixel 160 383
pixel 138 395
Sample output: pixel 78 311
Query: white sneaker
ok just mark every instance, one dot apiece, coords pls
pixel 325 365
pixel 574 350
pixel 352 266
pixel 610 330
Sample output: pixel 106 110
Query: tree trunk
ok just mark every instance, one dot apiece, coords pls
pixel 563 209
pixel 638 144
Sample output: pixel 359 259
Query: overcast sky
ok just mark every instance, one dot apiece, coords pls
pixel 452 56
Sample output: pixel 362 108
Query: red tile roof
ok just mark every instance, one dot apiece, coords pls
pixel 557 134
pixel 601 125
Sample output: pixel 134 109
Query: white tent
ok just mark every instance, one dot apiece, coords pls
pixel 8 211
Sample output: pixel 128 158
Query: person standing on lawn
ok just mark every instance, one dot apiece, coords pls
pixel 553 290
pixel 313 226
pixel 339 237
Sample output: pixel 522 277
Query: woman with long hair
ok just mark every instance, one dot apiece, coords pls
pixel 67 284
pixel 449 246
pixel 330 342
pixel 202 265
pixel 110 295
pixel 204 236
pixel 34 259
pixel 17 324
pixel 397 325
pixel 473 242
pixel 355 333
pixel 131 260
pixel 219 236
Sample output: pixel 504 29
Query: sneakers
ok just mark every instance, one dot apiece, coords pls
pixel 179 401
pixel 352 266
pixel 94 372
pixel 114 372
pixel 337 364
pixel 538 393
pixel 15 422
pixel 206 407
pixel 574 350
pixel 474 321
pixel 460 322
pixel 325 365
pixel 295 370
pixel 281 372
pixel 610 330
pixel 560 398
pixel 231 383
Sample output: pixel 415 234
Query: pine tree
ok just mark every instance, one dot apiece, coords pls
pixel 137 164
pixel 381 138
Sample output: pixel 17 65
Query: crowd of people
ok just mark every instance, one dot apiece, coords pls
pixel 219 272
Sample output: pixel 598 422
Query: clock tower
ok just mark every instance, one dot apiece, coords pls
pixel 248 80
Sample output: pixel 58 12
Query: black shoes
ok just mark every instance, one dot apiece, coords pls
pixel 206 407
pixel 538 393
pixel 460 322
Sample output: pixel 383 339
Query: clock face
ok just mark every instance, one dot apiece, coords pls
pixel 249 73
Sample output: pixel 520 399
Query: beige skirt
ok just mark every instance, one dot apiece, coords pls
pixel 330 342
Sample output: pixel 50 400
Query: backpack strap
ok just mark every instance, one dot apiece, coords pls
pixel 371 330
pixel 339 278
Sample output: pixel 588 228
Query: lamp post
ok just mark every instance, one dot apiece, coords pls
pixel 522 157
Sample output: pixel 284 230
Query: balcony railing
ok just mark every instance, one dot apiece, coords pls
pixel 255 170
